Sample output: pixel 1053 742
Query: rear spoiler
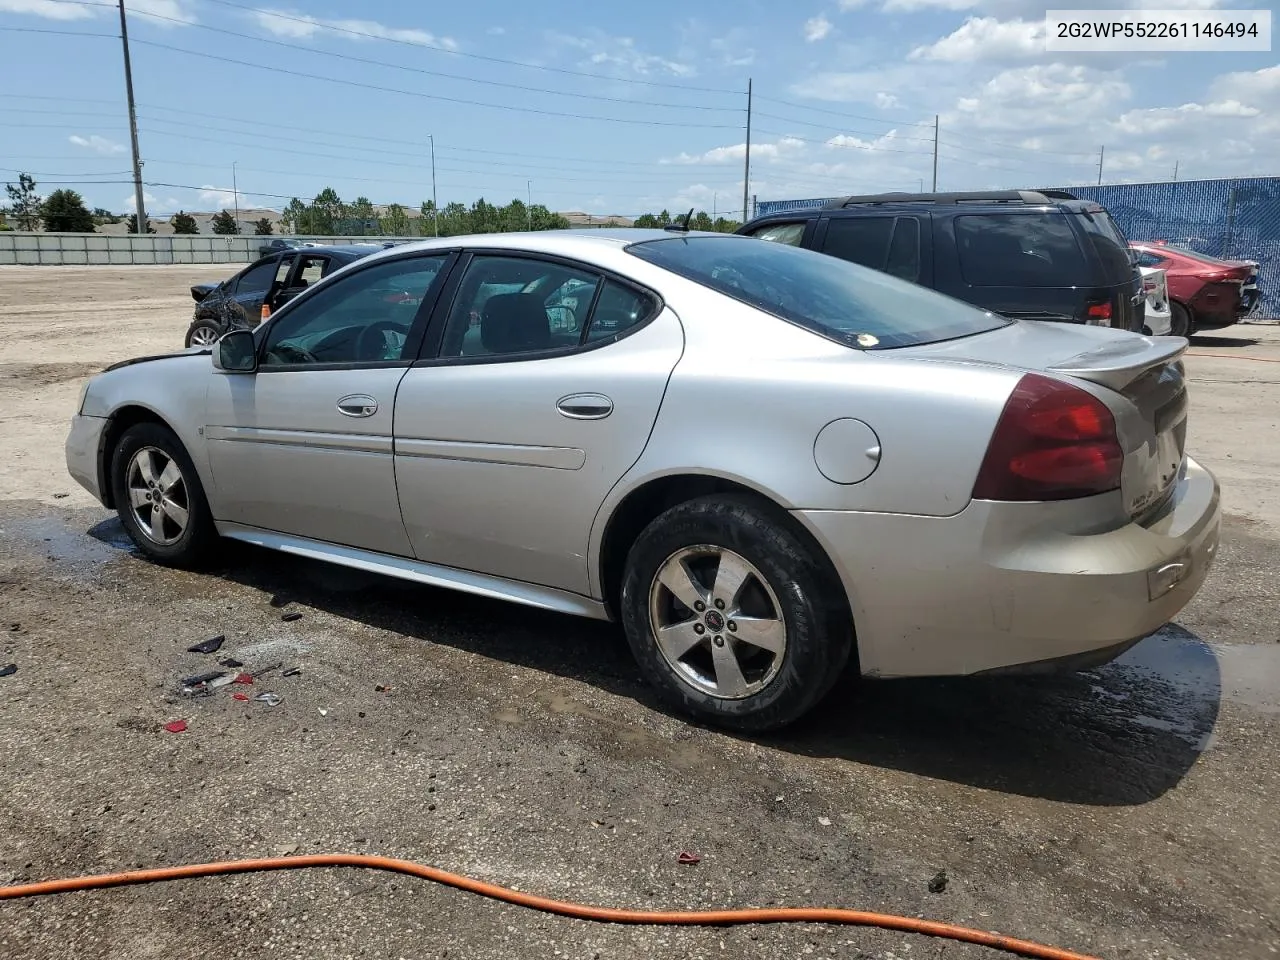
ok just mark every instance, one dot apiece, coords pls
pixel 1119 363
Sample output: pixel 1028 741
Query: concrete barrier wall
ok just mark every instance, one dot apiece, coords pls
pixel 94 248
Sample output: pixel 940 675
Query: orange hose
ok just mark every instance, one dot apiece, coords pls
pixel 705 918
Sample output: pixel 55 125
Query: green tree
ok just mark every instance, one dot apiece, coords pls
pixel 102 215
pixel 361 210
pixel 133 224
pixel 723 225
pixel 646 221
pixel 24 202
pixel 395 222
pixel 664 219
pixel 297 217
pixel 455 220
pixel 184 223
pixel 485 217
pixel 262 227
pixel 224 224
pixel 701 221
pixel 326 210
pixel 64 212
pixel 544 219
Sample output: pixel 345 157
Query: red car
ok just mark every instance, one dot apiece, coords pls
pixel 1204 292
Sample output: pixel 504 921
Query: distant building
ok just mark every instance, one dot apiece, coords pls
pixel 579 219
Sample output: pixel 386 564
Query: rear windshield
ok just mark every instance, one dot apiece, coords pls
pixel 850 304
pixel 1020 250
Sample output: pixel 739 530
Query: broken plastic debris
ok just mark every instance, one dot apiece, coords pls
pixel 8 670
pixel 202 678
pixel 687 858
pixel 291 616
pixel 323 711
pixel 240 696
pixel 939 882
pixel 231 662
pixel 292 672
pixel 208 646
pixel 176 726
pixel 223 681
pixel 824 821
pixel 265 670
pixel 382 688
pixel 270 699
pixel 246 678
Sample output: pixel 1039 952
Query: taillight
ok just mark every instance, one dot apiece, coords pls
pixel 1053 442
pixel 1098 314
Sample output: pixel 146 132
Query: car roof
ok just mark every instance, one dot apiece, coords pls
pixel 985 201
pixel 562 242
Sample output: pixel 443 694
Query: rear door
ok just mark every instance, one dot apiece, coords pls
pixel 306 269
pixel 1029 264
pixel 1119 276
pixel 897 244
pixel 548 379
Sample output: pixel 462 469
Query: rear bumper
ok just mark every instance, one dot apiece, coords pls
pixel 1003 585
pixel 84 453
pixel 1217 305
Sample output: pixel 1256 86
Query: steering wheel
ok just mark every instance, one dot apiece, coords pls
pixel 372 343
pixel 291 354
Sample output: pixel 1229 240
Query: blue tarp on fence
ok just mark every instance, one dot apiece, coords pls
pixel 1233 219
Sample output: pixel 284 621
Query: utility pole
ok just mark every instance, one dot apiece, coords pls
pixel 435 203
pixel 714 213
pixel 235 190
pixel 1175 171
pixel 935 153
pixel 528 207
pixel 1102 152
pixel 140 207
pixel 746 170
pixel 920 180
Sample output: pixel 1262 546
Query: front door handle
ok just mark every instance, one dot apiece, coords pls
pixel 357 405
pixel 585 406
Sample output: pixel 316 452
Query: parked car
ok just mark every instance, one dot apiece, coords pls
pixel 274 280
pixel 1035 255
pixel 764 462
pixel 268 247
pixel 1158 319
pixel 1206 293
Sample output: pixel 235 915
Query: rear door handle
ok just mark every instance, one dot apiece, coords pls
pixel 585 406
pixel 357 405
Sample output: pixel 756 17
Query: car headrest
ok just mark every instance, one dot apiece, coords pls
pixel 514 323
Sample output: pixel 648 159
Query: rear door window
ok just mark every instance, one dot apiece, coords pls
pixel 257 278
pixel 904 250
pixel 863 240
pixel 1020 250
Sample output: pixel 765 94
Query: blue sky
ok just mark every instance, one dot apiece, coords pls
pixel 605 107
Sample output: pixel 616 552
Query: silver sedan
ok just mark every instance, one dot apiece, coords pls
pixel 767 464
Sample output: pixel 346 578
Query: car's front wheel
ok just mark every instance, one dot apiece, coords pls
pixel 729 614
pixel 159 498
pixel 203 333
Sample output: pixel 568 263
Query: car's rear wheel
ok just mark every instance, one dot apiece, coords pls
pixel 203 333
pixel 728 613
pixel 159 498
pixel 1179 320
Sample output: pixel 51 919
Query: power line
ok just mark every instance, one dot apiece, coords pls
pixel 321 25
pixel 431 96
pixel 853 146
pixel 433 73
pixel 59 33
pixel 828 126
pixel 849 116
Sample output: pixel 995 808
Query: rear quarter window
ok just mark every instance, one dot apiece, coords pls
pixel 1020 250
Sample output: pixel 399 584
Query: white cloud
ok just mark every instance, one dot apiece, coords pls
pixel 130 203
pixel 986 38
pixel 816 28
pixel 851 4
pixel 496 31
pixel 1045 95
pixel 737 152
pixel 56 10
pixel 48 9
pixel 885 101
pixel 97 144
pixel 220 197
pixel 908 6
pixel 623 55
pixel 290 23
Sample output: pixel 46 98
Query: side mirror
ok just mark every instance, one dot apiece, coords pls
pixel 236 352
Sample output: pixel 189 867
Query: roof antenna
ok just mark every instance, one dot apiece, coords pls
pixel 679 227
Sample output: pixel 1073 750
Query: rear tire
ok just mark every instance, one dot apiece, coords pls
pixel 754 644
pixel 1180 324
pixel 159 498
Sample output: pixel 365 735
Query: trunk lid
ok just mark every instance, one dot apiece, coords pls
pixel 1140 378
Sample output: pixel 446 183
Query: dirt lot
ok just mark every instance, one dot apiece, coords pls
pixel 1128 812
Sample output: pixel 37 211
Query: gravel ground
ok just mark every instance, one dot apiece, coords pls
pixel 1126 812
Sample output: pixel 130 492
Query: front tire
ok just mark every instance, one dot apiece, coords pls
pixel 159 498
pixel 726 610
pixel 203 333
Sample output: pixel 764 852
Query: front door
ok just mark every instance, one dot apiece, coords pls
pixel 304 445
pixel 546 387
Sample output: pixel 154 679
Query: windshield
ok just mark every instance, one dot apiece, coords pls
pixel 1118 260
pixel 853 305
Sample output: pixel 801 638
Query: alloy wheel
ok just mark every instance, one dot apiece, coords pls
pixel 204 337
pixel 158 496
pixel 717 622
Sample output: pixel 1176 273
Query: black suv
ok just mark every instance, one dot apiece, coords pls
pixel 1034 255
